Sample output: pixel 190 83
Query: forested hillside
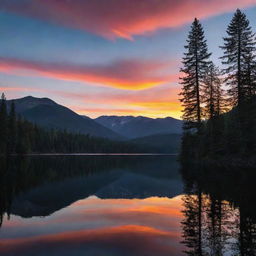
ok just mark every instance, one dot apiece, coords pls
pixel 162 143
pixel 18 136
pixel 219 105
pixel 230 136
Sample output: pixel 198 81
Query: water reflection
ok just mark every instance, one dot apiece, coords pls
pixel 129 205
pixel 219 211
pixel 93 205
pixel 103 227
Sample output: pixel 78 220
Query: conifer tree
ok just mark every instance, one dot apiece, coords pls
pixel 238 53
pixel 249 76
pixel 24 136
pixel 195 63
pixel 213 94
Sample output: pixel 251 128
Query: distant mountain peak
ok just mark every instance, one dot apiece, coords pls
pixel 29 102
pixel 140 126
pixel 35 101
pixel 29 97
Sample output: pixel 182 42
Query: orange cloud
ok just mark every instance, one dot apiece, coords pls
pixel 154 102
pixel 160 105
pixel 162 95
pixel 122 18
pixel 126 74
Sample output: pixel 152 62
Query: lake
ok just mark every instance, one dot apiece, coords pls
pixel 124 205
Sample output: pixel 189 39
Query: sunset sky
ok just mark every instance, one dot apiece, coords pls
pixel 106 57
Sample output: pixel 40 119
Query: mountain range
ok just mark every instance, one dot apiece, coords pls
pixel 135 127
pixel 156 132
pixel 49 114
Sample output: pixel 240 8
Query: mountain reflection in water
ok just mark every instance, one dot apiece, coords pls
pixel 124 205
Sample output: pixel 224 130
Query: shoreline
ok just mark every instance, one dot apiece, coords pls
pixel 97 154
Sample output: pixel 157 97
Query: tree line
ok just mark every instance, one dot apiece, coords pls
pixel 19 136
pixel 219 104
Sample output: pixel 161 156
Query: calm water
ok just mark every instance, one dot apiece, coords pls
pixel 124 205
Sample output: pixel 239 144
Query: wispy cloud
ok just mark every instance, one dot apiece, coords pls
pixel 124 74
pixel 121 18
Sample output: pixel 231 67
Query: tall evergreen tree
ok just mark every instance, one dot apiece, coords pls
pixel 249 76
pixel 238 53
pixel 195 63
pixel 213 94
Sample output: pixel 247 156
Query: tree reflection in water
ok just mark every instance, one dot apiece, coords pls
pixel 219 211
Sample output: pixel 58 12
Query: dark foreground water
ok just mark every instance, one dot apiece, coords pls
pixel 124 205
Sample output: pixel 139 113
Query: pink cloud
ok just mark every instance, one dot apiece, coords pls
pixel 122 18
pixel 124 74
